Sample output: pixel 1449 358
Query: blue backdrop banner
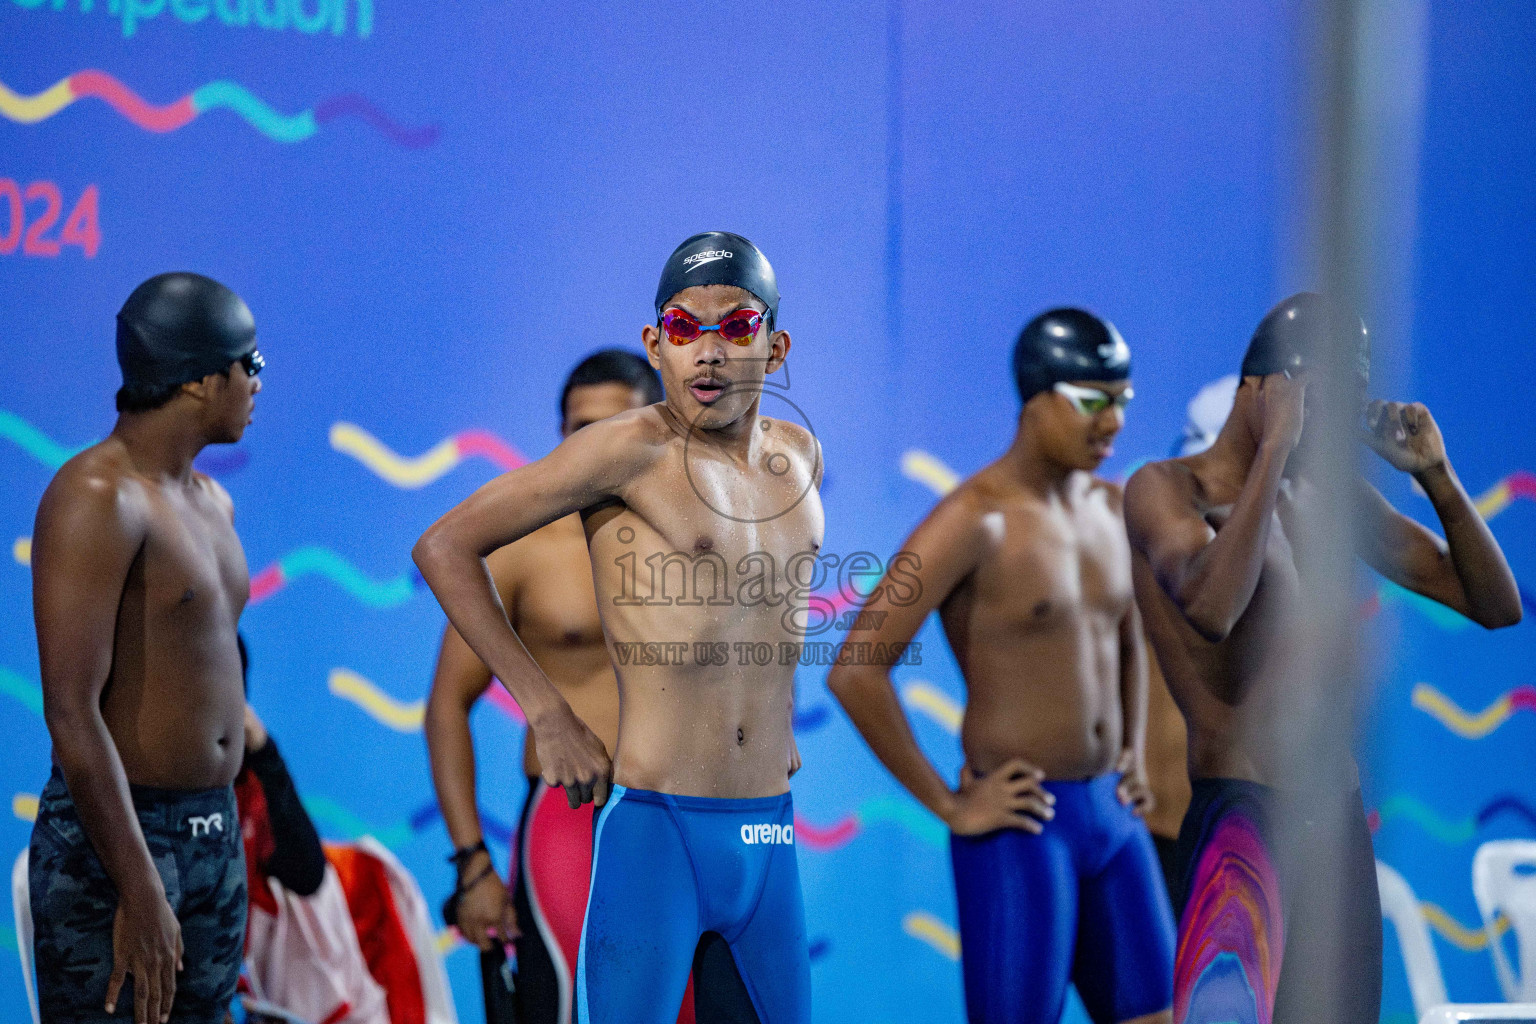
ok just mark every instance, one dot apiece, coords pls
pixel 435 210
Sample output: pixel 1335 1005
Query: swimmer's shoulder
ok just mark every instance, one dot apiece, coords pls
pixel 1112 493
pixel 964 511
pixel 797 439
pixel 98 488
pixel 993 488
pixel 1168 487
pixel 626 442
pixel 216 491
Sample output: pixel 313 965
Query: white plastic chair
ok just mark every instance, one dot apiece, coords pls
pixel 21 904
pixel 1481 1013
pixel 1400 906
pixel 1504 882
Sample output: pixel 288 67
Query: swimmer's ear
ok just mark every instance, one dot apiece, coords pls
pixel 198 389
pixel 650 339
pixel 778 350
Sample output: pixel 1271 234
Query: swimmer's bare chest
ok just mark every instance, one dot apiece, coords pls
pixel 707 550
pixel 1036 630
pixel 704 573
pixel 175 703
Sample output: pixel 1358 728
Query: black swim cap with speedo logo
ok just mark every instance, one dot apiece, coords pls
pixel 1067 344
pixel 719 257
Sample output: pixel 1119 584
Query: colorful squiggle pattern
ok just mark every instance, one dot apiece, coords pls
pixel 401 716
pixel 31 440
pixel 319 561
pixel 1232 934
pixel 1410 809
pixel 1473 726
pixel 502 701
pixel 928 929
pixel 1439 616
pixel 894 810
pixel 213 461
pixel 24 806
pixel 1457 934
pixel 936 704
pixel 411 472
pixel 1519 484
pixel 23 690
pixel 929 470
pixel 1445 830
pixel 285 128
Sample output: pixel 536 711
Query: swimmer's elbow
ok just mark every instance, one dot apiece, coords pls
pixel 852 684
pixel 1212 624
pixel 1210 632
pixel 429 551
pixel 1503 617
pixel 1205 607
pixel 841 682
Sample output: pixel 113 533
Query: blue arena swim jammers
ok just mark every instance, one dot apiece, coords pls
pixel 1083 901
pixel 669 871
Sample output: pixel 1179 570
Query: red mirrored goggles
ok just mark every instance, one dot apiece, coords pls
pixel 739 327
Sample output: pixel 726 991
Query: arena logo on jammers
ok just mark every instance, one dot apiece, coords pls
pixel 307 16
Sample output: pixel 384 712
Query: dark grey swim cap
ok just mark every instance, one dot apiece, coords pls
pixel 1290 336
pixel 181 327
pixel 719 257
pixel 1065 345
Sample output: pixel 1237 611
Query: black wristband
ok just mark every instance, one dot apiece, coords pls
pixel 463 887
pixel 463 853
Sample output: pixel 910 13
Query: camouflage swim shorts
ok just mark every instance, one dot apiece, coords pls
pixel 194 838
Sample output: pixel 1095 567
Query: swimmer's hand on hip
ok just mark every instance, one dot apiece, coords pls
pixel 1010 797
pixel 573 757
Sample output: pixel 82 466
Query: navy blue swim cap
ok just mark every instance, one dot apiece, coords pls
pixel 176 328
pixel 1065 345
pixel 1291 335
pixel 719 257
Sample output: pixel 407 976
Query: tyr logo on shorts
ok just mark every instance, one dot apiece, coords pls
pixel 780 834
pixel 207 824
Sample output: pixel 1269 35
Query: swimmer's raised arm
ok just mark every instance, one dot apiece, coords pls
pixel 591 466
pixel 944 549
pixel 1467 571
pixel 1211 574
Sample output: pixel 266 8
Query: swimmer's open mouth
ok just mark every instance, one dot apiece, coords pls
pixel 707 389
